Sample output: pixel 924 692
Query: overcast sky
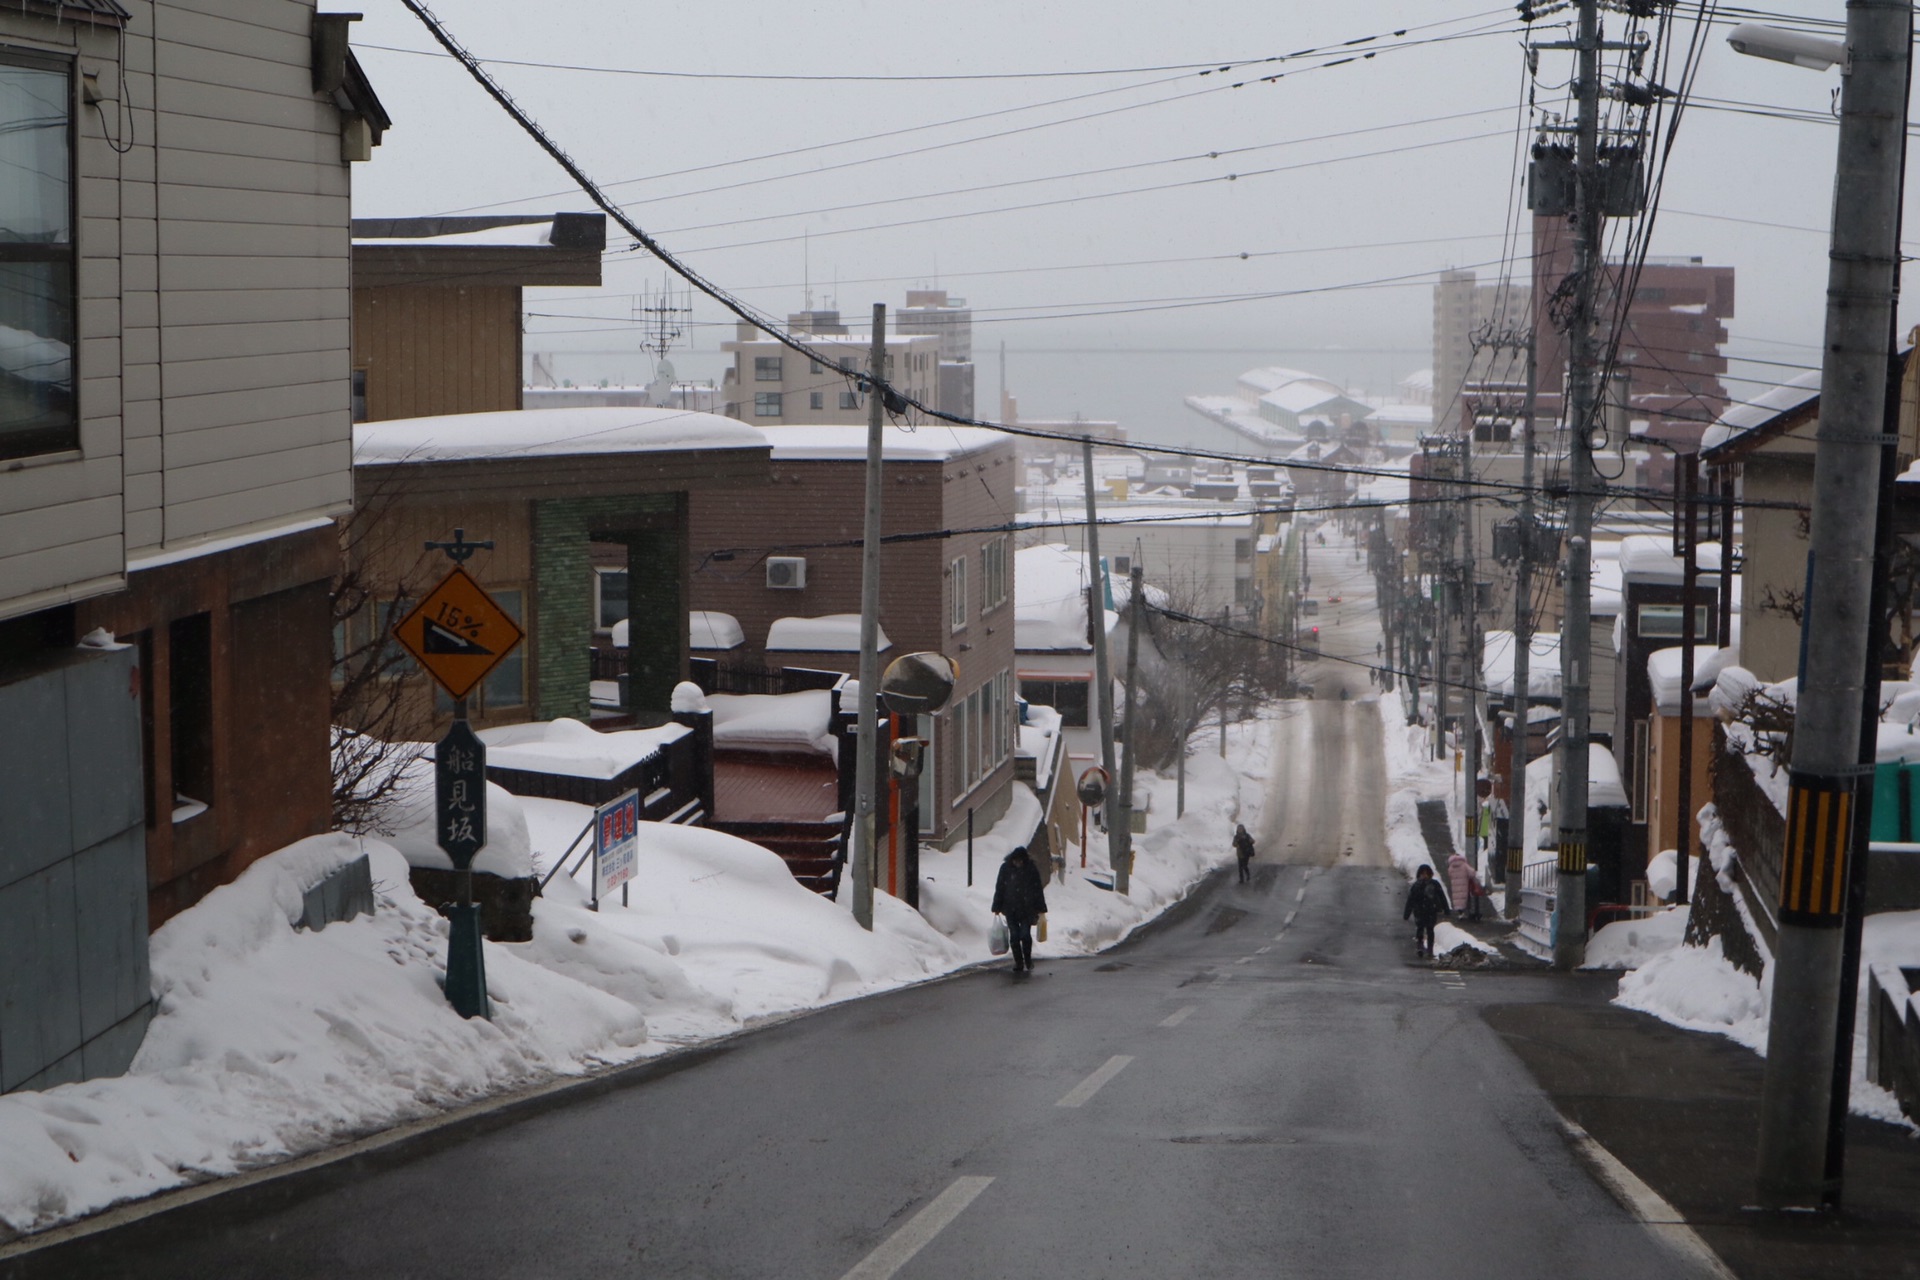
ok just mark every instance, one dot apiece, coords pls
pixel 746 147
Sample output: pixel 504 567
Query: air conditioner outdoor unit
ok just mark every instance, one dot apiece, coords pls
pixel 788 573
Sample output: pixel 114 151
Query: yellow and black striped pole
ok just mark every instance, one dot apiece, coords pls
pixel 1813 869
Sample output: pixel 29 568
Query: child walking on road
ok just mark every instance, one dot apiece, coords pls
pixel 1426 903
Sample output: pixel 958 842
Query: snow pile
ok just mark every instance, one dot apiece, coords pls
pixel 1168 858
pixel 1454 945
pixel 1660 873
pixel 1629 944
pixel 270 1042
pixel 509 434
pixel 1699 989
pixel 408 825
pixel 1039 740
pixel 574 749
pixel 774 721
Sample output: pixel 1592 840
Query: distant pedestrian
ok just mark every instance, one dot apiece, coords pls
pixel 1426 903
pixel 1243 851
pixel 1465 885
pixel 1018 896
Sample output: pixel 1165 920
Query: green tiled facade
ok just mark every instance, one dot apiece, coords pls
pixel 562 628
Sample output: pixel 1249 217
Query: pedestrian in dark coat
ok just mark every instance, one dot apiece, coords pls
pixel 1426 903
pixel 1243 850
pixel 1018 896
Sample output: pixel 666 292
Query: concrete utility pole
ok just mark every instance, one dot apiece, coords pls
pixel 866 782
pixel 1136 612
pixel 1102 670
pixel 1472 662
pixel 1863 273
pixel 1686 492
pixel 1576 641
pixel 1522 644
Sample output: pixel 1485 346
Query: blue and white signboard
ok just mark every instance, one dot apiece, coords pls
pixel 616 843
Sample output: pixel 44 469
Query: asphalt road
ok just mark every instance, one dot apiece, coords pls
pixel 1258 1086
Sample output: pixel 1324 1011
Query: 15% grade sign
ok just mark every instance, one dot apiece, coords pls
pixel 458 634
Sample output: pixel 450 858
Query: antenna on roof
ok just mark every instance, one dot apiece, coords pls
pixel 660 316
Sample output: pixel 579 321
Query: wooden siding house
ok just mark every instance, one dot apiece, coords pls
pixel 174 444
pixel 437 305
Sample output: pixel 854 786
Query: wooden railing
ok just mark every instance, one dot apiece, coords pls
pixel 1757 829
pixel 1893 1034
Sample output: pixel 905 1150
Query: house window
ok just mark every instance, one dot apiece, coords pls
pixel 1642 769
pixel 1243 590
pixel 850 400
pixel 766 368
pixel 1122 566
pixel 38 410
pixel 766 404
pixel 359 395
pixel 610 598
pixel 816 400
pixel 993 574
pixel 1243 548
pixel 190 712
pixel 1666 621
pixel 1069 696
pixel 958 572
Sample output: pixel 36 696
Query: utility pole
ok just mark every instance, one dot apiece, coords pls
pixel 866 781
pixel 1472 661
pixel 1576 641
pixel 1102 668
pixel 1136 621
pixel 1863 274
pixel 1522 642
pixel 1686 491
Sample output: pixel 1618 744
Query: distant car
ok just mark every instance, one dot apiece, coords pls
pixel 1310 607
pixel 1336 600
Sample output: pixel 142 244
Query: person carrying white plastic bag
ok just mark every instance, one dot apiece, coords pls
pixel 1018 896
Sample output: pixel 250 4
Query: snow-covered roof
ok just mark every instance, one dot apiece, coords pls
pixel 1396 413
pixel 1300 398
pixel 1050 600
pixel 1242 416
pixel 1604 788
pixel 774 721
pixel 1645 558
pixel 1273 377
pixel 571 748
pixel 1543 673
pixel 1762 409
pixel 931 443
pixel 828 633
pixel 514 235
pixel 1419 380
pixel 528 433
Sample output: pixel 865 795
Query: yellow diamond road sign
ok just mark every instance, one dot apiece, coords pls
pixel 458 633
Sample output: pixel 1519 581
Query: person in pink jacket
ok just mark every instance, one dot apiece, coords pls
pixel 1464 886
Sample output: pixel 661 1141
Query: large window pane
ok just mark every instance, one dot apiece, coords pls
pixel 37 410
pixel 34 168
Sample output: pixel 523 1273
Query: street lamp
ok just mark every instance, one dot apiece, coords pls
pixel 1797 1166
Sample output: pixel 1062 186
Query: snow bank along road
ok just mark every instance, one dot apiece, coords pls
pixel 1229 1094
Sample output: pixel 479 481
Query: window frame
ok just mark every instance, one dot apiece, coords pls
pixel 769 369
pixel 45 441
pixel 993 573
pixel 767 404
pixel 958 612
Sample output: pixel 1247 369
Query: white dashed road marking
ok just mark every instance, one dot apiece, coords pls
pixel 922 1227
pixel 1079 1094
pixel 1178 1016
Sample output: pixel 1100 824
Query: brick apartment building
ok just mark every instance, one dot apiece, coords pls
pixel 793 550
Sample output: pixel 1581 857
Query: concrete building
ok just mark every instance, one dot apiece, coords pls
pixel 175 443
pixel 772 385
pixel 1464 312
pixel 934 311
